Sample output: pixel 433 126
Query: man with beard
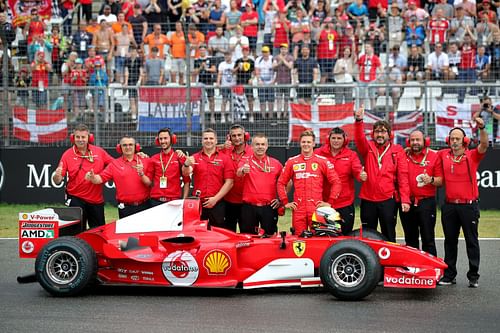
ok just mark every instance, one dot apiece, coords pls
pixel 423 178
pixel 387 177
pixel 75 163
pixel 165 170
pixel 236 148
pixel 213 175
pixel 461 208
pixel 348 167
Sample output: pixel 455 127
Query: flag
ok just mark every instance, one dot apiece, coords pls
pixel 166 107
pixel 21 11
pixel 239 101
pixel 41 126
pixel 323 115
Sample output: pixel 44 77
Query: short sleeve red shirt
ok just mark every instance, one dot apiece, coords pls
pixel 169 166
pixel 210 173
pixel 426 162
pixel 76 166
pixel 235 195
pixel 250 30
pixel 327 44
pixel 260 185
pixel 368 67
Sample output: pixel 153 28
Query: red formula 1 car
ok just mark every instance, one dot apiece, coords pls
pixel 169 245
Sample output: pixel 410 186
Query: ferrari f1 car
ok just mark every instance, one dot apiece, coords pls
pixel 169 245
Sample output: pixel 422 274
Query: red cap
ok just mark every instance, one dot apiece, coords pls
pixel 306 31
pixel 245 47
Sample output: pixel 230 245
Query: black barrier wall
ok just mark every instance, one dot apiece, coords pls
pixel 26 175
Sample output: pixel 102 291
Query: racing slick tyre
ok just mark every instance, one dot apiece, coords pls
pixel 368 233
pixel 350 270
pixel 66 266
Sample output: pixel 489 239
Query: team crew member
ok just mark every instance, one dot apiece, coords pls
pixel 235 148
pixel 348 167
pixel 165 170
pixel 423 178
pixel 387 177
pixel 461 209
pixel 127 171
pixel 308 172
pixel 259 173
pixel 75 162
pixel 213 175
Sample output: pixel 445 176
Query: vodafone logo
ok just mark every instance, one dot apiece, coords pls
pixel 27 247
pixel 384 253
pixel 180 268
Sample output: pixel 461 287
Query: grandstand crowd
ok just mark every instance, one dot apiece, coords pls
pixel 222 43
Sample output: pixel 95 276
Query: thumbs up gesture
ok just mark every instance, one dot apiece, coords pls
pixel 90 175
pixel 360 112
pixel 246 168
pixel 363 176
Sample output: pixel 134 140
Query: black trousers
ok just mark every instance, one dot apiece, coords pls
pixel 252 216
pixel 454 217
pixel 233 215
pixel 215 215
pixel 93 214
pixel 420 220
pixel 384 211
pixel 128 210
pixel 348 214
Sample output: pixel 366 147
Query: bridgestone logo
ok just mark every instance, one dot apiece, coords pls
pixel 37 225
pixel 413 281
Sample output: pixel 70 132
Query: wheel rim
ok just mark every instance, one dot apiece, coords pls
pixel 348 270
pixel 62 267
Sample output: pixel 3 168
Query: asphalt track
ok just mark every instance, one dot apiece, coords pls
pixel 28 308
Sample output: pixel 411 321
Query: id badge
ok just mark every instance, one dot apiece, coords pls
pixel 40 86
pixel 163 182
pixel 330 45
pixel 83 45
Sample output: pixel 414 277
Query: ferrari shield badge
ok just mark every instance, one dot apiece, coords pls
pixel 299 247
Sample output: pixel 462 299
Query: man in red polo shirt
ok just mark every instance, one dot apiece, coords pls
pixel 348 167
pixel 370 68
pixel 127 171
pixel 308 172
pixel 75 162
pixel 259 174
pixel 387 177
pixel 235 148
pixel 165 171
pixel 461 209
pixel 438 29
pixel 213 175
pixel 423 178
pixel 327 49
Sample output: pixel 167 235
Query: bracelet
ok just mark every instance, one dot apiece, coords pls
pixel 481 128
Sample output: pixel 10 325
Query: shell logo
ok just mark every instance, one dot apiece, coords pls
pixel 25 216
pixel 217 262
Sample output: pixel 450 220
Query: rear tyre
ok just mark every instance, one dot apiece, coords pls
pixel 368 233
pixel 66 266
pixel 350 270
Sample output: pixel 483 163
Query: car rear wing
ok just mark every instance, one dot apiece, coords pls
pixel 40 227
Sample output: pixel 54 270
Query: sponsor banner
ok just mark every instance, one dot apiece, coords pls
pixel 35 230
pixel 396 277
pixel 21 10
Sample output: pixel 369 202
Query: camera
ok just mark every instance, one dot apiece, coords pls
pixel 486 106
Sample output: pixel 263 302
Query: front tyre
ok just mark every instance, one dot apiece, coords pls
pixel 350 270
pixel 66 266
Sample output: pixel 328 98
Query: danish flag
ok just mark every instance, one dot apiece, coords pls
pixel 41 126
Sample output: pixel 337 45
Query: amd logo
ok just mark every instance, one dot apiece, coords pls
pixel 42 178
pixel 488 179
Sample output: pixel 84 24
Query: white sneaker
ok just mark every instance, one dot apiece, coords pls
pixel 229 118
pixel 250 119
pixel 222 119
pixel 278 115
pixel 212 119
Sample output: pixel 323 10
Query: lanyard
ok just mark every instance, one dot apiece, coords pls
pixel 456 160
pixel 89 157
pixel 421 163
pixel 380 156
pixel 237 154
pixel 164 168
pixel 267 166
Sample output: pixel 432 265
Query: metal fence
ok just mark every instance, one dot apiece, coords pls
pixel 109 111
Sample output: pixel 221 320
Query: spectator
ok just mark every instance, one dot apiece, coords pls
pixel 460 24
pixel 213 176
pixel 438 29
pixel 86 9
pixel 153 15
pixel 490 13
pixel 413 10
pixel 107 14
pixel 78 80
pixel 370 69
pixel 66 9
pixel 396 24
pixel 307 40
pixel 93 27
pixel 393 77
pixel 437 64
pixel 485 29
pixel 316 28
pixel 377 9
pixel 99 79
pixel 348 40
pixel 283 65
pixel 217 17
pixel 483 64
pixel 154 68
pixel 494 52
pixel 398 60
pixel 467 67
pixel 67 67
pixel 117 26
pixel 320 11
pixel 327 49
pixel 385 162
pixel 177 44
pixel 312 173
pixel 459 168
pixel 34 26
pixel 22 81
pixel 139 25
pixel 196 39
pixel 38 43
pixel 348 167
pixel 233 18
pixel 81 40
pixel 343 71
pixel 174 11
pixel 127 172
pixel 306 69
pixel 249 22
pixel 260 174
pixel 454 60
pixel 244 69
pixel 415 33
pixel 158 40
pixel 266 77
pixel 123 41
pixel 40 79
pixel 128 9
pixel 105 44
pixel 490 116
pixel 416 65
pixel 205 68
pixel 134 72
pixel 298 27
pixel 7 29
pixel 225 80
pixel 91 60
pixel 448 10
pixel 189 16
pixel 218 45
pixel 374 36
pixel 202 12
pixel 469 7
pixel 75 162
pixel 280 31
pixel 237 43
pixel 358 14
pixel 114 5
pixel 271 13
pixel 165 171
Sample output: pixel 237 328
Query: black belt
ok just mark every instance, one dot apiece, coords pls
pixel 416 200
pixel 135 204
